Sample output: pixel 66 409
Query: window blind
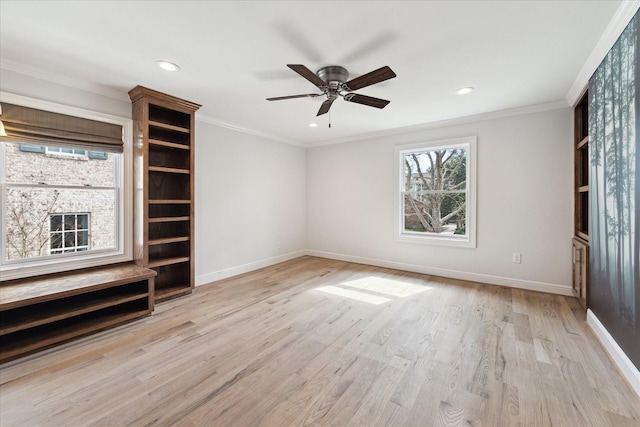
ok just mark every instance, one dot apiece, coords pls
pixel 24 124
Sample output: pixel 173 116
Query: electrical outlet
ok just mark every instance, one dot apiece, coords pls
pixel 278 245
pixel 516 258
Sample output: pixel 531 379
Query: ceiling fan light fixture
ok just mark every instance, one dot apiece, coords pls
pixel 313 125
pixel 465 90
pixel 168 66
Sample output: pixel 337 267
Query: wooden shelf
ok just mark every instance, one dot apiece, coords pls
pixel 25 320
pixel 168 240
pixel 169 219
pixel 168 261
pixel 583 236
pixel 46 310
pixel 33 290
pixel 169 170
pixel 169 144
pixel 169 127
pixel 168 202
pixel 167 293
pixel 25 345
pixel 583 142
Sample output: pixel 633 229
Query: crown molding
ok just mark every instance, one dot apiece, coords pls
pixel 249 131
pixel 620 19
pixel 532 109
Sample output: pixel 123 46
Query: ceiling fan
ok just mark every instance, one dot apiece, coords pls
pixel 332 81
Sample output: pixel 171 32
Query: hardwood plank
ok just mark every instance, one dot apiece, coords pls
pixel 269 348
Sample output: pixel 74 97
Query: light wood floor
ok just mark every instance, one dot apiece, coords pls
pixel 320 342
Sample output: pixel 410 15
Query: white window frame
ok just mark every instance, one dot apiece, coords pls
pixel 14 269
pixel 469 143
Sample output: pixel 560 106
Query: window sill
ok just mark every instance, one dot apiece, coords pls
pixel 433 240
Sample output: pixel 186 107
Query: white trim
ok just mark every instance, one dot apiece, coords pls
pixel 621 360
pixel 470 145
pixel 125 233
pixel 618 23
pixel 203 279
pixel 248 131
pixel 510 282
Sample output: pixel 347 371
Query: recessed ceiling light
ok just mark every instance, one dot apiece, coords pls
pixel 464 90
pixel 313 125
pixel 168 66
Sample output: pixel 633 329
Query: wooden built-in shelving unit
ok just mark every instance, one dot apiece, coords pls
pixel 581 202
pixel 164 212
pixel 43 311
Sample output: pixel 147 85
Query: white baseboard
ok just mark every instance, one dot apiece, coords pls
pixel 622 361
pixel 510 282
pixel 453 274
pixel 245 268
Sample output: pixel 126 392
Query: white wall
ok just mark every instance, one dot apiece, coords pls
pixel 250 202
pixel 525 203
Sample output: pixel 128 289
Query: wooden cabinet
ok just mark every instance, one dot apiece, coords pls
pixel 40 312
pixel 581 201
pixel 581 271
pixel 163 206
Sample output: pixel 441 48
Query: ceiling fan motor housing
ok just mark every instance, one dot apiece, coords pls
pixel 334 75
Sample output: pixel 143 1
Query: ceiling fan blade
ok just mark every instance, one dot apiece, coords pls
pixel 309 95
pixel 324 108
pixel 366 100
pixel 307 74
pixel 376 76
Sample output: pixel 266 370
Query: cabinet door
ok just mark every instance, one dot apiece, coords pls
pixel 580 271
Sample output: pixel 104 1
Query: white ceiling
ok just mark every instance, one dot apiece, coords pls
pixel 233 55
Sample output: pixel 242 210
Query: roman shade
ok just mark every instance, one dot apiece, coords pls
pixel 24 124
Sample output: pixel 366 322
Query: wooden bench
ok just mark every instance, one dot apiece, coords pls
pixel 39 312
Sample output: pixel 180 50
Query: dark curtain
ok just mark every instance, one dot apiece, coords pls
pixel 614 279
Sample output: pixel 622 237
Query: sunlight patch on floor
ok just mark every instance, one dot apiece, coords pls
pixel 348 293
pixel 367 288
pixel 396 288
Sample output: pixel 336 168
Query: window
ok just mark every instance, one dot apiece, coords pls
pixel 68 233
pixel 71 153
pixel 65 151
pixel 436 192
pixel 59 213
